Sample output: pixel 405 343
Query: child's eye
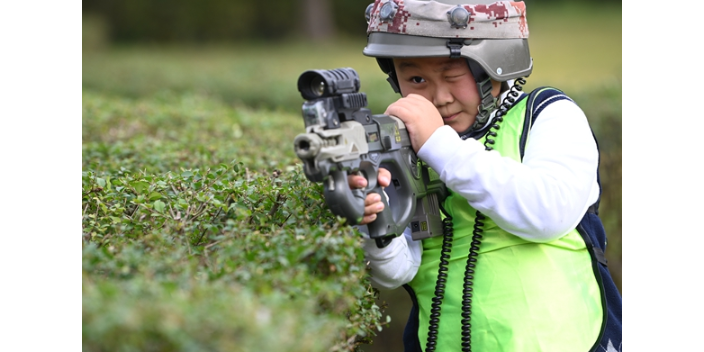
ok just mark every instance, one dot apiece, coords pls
pixel 417 79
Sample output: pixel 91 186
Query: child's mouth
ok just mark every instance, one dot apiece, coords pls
pixel 450 117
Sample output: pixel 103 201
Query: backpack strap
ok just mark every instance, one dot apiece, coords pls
pixel 538 99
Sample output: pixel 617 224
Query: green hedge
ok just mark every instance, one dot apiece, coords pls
pixel 187 250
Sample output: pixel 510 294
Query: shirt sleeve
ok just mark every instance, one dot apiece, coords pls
pixel 395 264
pixel 540 199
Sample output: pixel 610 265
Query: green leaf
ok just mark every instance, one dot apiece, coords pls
pixel 159 206
pixel 155 195
pixel 139 186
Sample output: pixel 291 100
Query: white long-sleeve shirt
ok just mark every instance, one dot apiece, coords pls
pixel 540 199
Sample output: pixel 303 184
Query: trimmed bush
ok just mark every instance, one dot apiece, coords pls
pixel 186 249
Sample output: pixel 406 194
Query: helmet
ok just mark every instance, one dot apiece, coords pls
pixel 492 36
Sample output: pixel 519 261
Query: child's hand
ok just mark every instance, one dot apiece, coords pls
pixel 420 116
pixel 373 203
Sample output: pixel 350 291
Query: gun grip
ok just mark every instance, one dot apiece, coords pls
pixel 384 225
pixel 342 200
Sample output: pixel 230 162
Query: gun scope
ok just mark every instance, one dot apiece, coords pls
pixel 316 84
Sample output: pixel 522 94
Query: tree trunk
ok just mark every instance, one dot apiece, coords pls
pixel 318 17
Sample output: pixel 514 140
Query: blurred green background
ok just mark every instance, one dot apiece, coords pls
pixel 250 53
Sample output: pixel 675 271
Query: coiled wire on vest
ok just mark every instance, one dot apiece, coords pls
pixel 448 234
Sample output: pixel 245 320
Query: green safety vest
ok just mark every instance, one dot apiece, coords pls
pixel 527 296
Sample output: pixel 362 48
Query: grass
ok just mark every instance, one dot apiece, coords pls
pixel 576 46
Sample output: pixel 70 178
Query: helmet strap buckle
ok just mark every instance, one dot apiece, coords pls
pixel 455 45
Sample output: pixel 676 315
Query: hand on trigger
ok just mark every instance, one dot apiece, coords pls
pixel 419 115
pixel 372 203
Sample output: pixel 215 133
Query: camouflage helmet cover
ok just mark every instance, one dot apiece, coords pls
pixel 493 34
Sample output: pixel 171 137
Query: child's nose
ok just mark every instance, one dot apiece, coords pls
pixel 442 96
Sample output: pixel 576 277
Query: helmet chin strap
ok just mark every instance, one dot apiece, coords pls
pixel 479 131
pixel 393 81
pixel 487 105
pixel 487 102
pixel 387 66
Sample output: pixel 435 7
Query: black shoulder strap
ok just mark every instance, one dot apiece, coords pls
pixel 537 101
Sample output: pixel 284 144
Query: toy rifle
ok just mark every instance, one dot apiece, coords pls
pixel 343 138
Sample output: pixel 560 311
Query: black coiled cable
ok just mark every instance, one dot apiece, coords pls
pixel 447 238
pixel 477 237
pixel 468 281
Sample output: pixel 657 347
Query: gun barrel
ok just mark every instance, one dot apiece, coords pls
pixel 307 145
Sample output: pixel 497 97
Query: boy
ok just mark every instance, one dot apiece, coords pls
pixel 515 269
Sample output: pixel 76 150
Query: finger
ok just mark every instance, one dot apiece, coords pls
pixel 356 181
pixel 384 177
pixel 373 208
pixel 371 199
pixel 367 219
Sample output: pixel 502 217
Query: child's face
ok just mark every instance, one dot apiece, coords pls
pixel 445 82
